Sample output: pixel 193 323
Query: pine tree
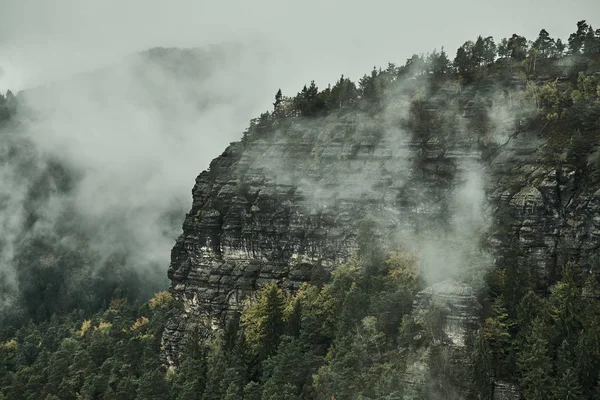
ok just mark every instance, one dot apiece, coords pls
pixel 440 64
pixel 416 64
pixel 217 370
pixel 290 369
pixel 277 104
pixel 587 348
pixel 544 44
pixel 591 42
pixel 559 48
pixel 252 391
pixel 463 62
pixel 478 52
pixel 530 307
pixel 503 50
pixel 153 386
pixel 308 102
pixel 344 92
pixel 368 87
pixel 193 376
pixel 517 47
pixel 489 50
pixel 233 392
pixel 577 39
pixel 535 364
pixel 263 320
pixel 567 307
pixel 497 330
pixel 567 385
pixel 482 367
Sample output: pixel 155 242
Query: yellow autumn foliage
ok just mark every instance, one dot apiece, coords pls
pixel 117 303
pixel 146 336
pixel 10 345
pixel 85 326
pixel 160 299
pixel 141 321
pixel 103 328
pixel 404 268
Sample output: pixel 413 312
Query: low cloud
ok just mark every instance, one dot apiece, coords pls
pixel 129 141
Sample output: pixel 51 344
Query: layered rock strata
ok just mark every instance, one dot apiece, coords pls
pixel 289 205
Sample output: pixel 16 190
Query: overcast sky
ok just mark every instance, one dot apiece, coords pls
pixel 42 40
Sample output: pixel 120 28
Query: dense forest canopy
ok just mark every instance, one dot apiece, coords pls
pixel 350 336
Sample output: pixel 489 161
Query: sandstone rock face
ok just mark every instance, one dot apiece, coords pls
pixel 456 305
pixel 506 391
pixel 459 306
pixel 550 211
pixel 288 206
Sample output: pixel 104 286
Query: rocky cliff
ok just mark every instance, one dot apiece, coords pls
pixel 547 208
pixel 459 306
pixel 455 308
pixel 289 204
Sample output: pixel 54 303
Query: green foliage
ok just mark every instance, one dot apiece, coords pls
pixel 517 47
pixel 348 339
pixel 308 102
pixel 585 40
pixel 72 358
pixel 343 94
pixel 291 369
pixel 497 338
pixel 483 367
pixel 545 45
pixel 535 363
pixel 262 320
pixel 439 63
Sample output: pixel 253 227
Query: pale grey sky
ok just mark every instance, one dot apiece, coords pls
pixel 41 40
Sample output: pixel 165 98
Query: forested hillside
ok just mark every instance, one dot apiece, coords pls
pixel 527 286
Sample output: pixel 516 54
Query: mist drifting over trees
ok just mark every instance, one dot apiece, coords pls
pixel 90 214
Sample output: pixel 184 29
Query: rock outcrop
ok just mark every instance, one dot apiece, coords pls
pixel 449 313
pixel 546 208
pixel 289 205
pixel 506 391
pixel 459 306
